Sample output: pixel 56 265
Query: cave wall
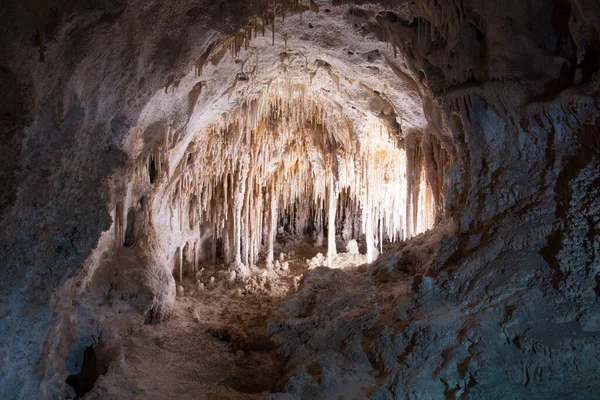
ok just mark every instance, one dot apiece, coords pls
pixel 77 76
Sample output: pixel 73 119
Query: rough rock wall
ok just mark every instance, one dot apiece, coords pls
pixel 508 307
pixel 65 121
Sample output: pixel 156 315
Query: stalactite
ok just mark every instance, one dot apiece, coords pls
pixel 292 155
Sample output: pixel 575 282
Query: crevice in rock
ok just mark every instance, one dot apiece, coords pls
pixel 151 169
pixel 550 252
pixel 91 369
pixel 130 228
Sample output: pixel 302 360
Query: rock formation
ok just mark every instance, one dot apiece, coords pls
pixel 453 145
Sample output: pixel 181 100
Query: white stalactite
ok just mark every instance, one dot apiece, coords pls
pixel 274 155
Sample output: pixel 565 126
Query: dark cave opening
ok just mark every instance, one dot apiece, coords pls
pixel 85 380
pixel 151 169
pixel 129 239
pixel 589 65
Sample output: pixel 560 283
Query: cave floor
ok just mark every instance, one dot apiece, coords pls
pixel 226 354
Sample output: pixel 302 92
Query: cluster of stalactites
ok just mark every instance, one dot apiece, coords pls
pixel 285 154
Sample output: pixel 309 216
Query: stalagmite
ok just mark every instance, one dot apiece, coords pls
pixel 226 235
pixel 320 258
pixel 232 277
pixel 352 247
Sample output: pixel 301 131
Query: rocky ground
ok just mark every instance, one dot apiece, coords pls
pixel 216 344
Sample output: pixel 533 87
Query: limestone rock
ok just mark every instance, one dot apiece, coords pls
pixel 141 140
pixel 352 247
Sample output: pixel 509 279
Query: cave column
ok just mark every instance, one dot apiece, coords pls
pixel 319 222
pixel 367 211
pixel 227 240
pixel 246 237
pixel 238 202
pixel 237 230
pixel 227 226
pixel 331 248
pixel 369 234
pixel 272 225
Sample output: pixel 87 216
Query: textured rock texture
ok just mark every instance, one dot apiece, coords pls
pixel 508 306
pixel 498 101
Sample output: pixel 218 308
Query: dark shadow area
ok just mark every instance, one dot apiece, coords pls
pixel 129 239
pixel 86 379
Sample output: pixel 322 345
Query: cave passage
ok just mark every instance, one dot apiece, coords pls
pixel 287 162
pixel 276 166
pixel 84 381
pixel 307 199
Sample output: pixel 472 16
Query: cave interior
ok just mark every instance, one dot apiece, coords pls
pixel 300 199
